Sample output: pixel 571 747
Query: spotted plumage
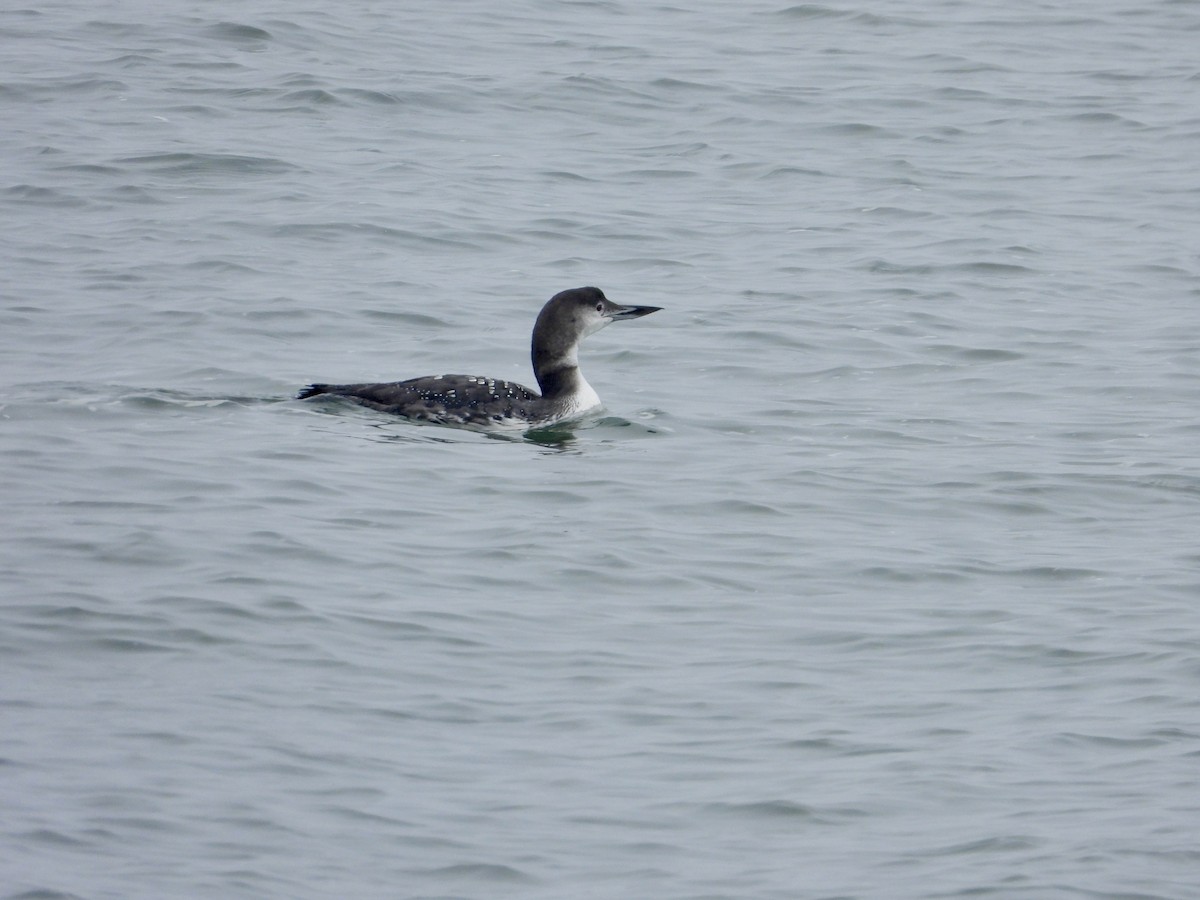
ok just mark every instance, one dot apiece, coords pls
pixel 482 403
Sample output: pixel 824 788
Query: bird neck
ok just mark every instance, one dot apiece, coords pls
pixel 561 378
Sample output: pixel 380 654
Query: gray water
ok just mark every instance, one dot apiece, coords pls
pixel 877 578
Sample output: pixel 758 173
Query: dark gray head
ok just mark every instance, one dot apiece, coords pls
pixel 568 318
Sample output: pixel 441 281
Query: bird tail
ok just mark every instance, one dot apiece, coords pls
pixel 313 390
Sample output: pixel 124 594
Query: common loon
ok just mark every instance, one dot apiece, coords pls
pixel 490 403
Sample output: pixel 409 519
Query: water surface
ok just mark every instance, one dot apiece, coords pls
pixel 877 577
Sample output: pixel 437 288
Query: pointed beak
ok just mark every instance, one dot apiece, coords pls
pixel 631 312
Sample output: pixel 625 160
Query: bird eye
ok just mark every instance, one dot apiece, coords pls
pixel 599 307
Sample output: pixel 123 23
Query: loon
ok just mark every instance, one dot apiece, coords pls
pixel 491 403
